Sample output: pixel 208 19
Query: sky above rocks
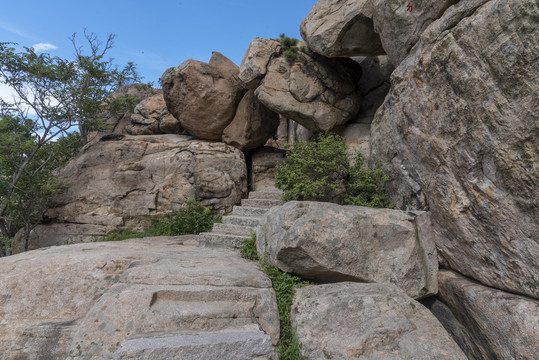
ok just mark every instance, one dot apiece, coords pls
pixel 154 35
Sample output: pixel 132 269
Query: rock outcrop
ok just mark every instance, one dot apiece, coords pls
pixel 151 117
pixel 203 96
pixel 491 324
pixel 252 126
pixel 119 123
pixel 331 242
pixel 458 135
pixel 124 181
pixel 369 27
pixel 367 321
pixel 342 28
pixel 317 92
pixel 136 299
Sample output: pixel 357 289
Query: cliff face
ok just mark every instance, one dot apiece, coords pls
pixel 458 134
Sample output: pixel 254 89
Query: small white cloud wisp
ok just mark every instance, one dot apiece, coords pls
pixel 41 47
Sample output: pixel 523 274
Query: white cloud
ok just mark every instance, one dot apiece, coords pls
pixel 40 47
pixel 5 26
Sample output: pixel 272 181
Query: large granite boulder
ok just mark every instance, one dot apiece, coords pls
pixel 458 135
pixel 151 117
pixel 400 23
pixel 340 28
pixel 151 298
pixel 488 323
pixel 253 124
pixel 317 92
pixel 332 242
pixel 255 61
pixel 124 181
pixel 203 96
pixel 367 321
pixel 369 27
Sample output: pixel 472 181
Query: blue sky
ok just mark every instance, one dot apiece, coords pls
pixel 154 35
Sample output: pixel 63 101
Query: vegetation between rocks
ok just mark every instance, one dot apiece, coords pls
pixel 289 47
pixel 323 170
pixel 284 285
pixel 192 218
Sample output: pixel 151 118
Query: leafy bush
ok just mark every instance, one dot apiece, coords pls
pixel 192 218
pixel 121 234
pixel 321 171
pixel 289 47
pixel 248 248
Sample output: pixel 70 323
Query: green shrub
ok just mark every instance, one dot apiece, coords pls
pixel 248 248
pixel 285 286
pixel 321 171
pixel 289 47
pixel 192 218
pixel 121 234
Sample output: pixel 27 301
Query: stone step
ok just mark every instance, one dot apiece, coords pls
pixel 221 240
pixel 266 194
pixel 224 344
pixel 233 229
pixel 249 211
pixel 261 203
pixel 241 220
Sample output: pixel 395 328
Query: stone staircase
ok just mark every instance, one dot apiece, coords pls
pixel 243 220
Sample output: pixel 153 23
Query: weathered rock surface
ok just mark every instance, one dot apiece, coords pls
pixel 317 92
pixel 367 321
pixel 263 164
pixel 151 117
pixel 290 132
pixel 147 298
pixel 369 27
pixel 491 324
pixel 341 28
pixel 327 241
pixel 118 124
pixel 125 181
pixel 253 124
pixel 400 27
pixel 203 96
pixel 458 135
pixel 255 61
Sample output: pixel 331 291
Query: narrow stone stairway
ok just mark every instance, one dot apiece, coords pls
pixel 243 220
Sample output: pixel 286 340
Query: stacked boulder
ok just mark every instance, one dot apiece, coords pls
pixel 210 103
pixel 317 92
pixel 374 265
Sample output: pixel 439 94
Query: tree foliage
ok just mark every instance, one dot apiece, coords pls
pixel 322 170
pixel 52 97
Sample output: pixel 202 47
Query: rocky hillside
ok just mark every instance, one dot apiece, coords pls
pixel 443 94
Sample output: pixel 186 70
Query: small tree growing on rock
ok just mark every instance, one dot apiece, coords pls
pixel 322 170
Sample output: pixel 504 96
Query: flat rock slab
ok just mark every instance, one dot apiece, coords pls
pixel 331 242
pixel 141 296
pixel 367 321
